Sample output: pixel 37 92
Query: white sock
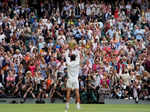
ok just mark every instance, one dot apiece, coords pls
pixel 67 106
pixel 78 106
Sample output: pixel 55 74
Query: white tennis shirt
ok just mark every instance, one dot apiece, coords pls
pixel 73 67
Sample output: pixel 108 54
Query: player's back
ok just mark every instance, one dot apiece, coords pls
pixel 73 69
pixel 73 66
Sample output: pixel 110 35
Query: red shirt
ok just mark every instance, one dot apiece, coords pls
pixel 116 15
pixel 32 69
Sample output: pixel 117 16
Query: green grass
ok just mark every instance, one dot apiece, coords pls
pixel 84 108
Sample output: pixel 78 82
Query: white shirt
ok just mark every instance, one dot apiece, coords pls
pixel 49 25
pixel 73 67
pixel 41 45
pixel 44 20
pixel 110 32
pixel 61 39
pixel 1 60
pixel 126 78
pixel 101 25
pixel 2 37
pixel 81 6
pixel 62 67
pixel 93 8
pixel 88 10
pixel 17 55
pixel 128 6
pixel 90 33
pixel 147 16
pixel 139 34
pixel 97 81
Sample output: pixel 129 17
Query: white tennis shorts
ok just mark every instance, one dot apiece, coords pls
pixel 72 84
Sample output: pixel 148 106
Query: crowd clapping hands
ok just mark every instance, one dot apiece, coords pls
pixel 113 47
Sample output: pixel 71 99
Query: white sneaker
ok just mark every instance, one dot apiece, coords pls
pixel 78 106
pixel 66 111
pixel 67 106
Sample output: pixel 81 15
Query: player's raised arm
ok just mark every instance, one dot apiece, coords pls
pixel 78 56
pixel 67 57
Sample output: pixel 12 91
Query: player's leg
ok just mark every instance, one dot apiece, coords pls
pixel 69 86
pixel 76 86
pixel 68 98
pixel 68 95
pixel 77 98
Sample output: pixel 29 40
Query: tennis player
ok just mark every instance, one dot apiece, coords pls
pixel 73 67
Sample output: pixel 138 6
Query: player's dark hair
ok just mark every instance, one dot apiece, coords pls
pixel 72 57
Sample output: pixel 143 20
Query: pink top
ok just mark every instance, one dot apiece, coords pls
pixel 107 83
pixel 9 78
pixel 95 67
pixel 32 69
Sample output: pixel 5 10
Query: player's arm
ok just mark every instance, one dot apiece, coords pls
pixel 67 57
pixel 78 57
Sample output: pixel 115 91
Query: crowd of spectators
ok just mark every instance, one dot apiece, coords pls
pixel 113 38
